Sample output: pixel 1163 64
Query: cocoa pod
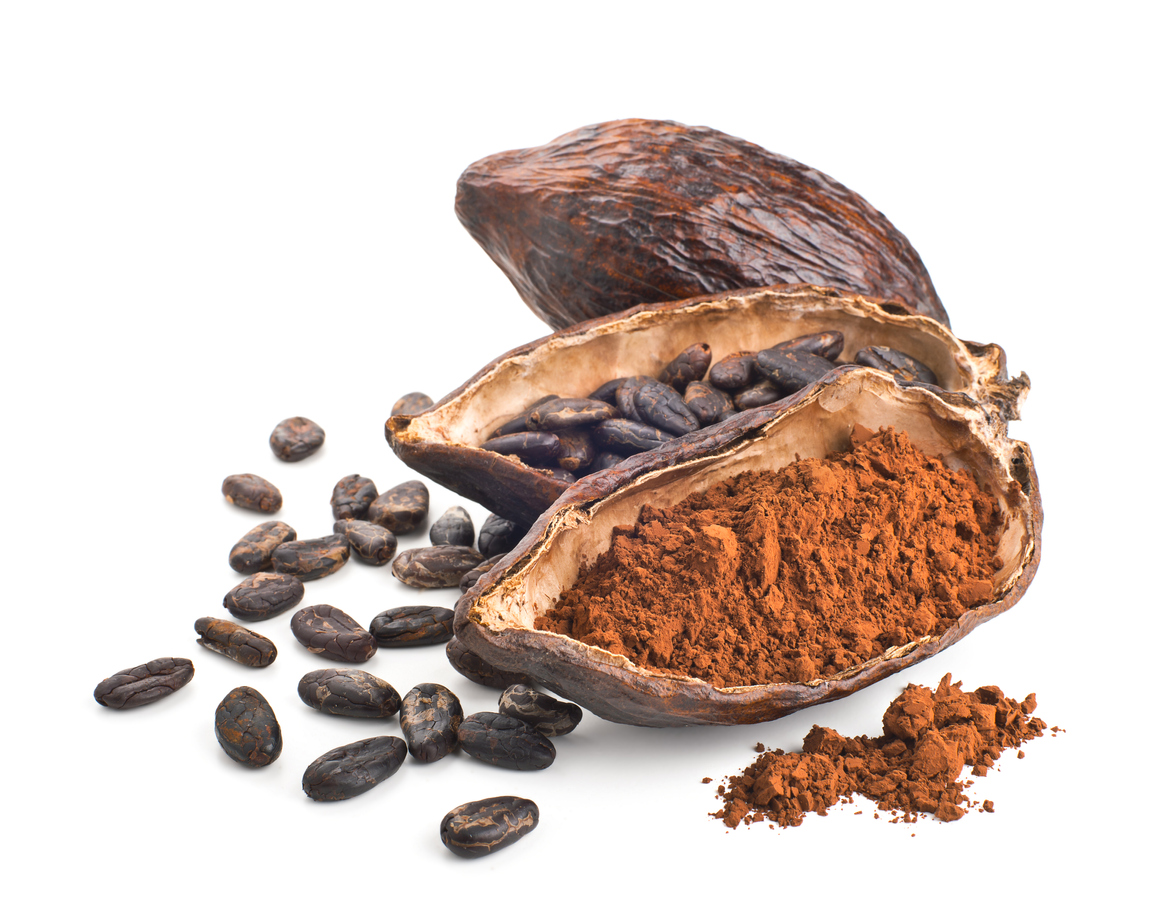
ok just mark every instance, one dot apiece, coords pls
pixel 494 620
pixel 641 211
pixel 444 442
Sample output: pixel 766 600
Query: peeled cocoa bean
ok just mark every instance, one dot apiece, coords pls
pixel 252 492
pixel 349 692
pixel 353 769
pixel 246 728
pixel 407 626
pixel 900 365
pixel 441 566
pixel 549 716
pixel 455 526
pixel 312 558
pixel 296 439
pixel 331 633
pixel 262 596
pixel 352 496
pixel 144 684
pixel 371 543
pixel 252 552
pixel 401 509
pixel 429 717
pixel 412 404
pixel 505 742
pixel 689 366
pixel 483 827
pixel 235 641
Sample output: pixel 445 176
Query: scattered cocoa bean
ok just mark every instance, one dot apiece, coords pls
pixel 429 716
pixel 312 558
pixel 352 496
pixel 412 404
pixel 407 626
pixel 401 509
pixel 247 729
pixel 144 684
pixel 252 492
pixel 331 633
pixel 498 536
pixel 353 769
pixel 455 526
pixel 235 641
pixel 348 692
pixel 475 669
pixel 483 827
pixel 441 566
pixel 262 596
pixel 296 438
pixel 506 742
pixel 252 552
pixel 371 543
pixel 469 579
pixel 548 715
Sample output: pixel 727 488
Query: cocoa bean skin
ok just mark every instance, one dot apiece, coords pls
pixel 312 558
pixel 371 543
pixel 247 729
pixel 498 536
pixel 455 526
pixel 235 641
pixel 628 437
pixel 429 716
pixel 352 496
pixel 689 366
pixel 402 509
pixel 412 404
pixel 262 596
pixel 252 552
pixel 734 372
pixel 548 715
pixel 417 625
pixel 352 769
pixel 441 566
pixel 348 692
pixel 530 446
pixel 506 742
pixel 469 579
pixel 252 492
pixel 824 344
pixel 296 439
pixel 136 686
pixel 900 365
pixel 791 370
pixel 707 403
pixel 331 633
pixel 475 669
pixel 482 827
pixel 568 413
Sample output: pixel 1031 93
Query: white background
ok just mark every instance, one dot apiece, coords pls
pixel 217 215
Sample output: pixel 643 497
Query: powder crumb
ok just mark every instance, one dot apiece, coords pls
pixel 706 780
pixel 912 768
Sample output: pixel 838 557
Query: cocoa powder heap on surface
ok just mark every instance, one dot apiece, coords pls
pixel 913 768
pixel 793 575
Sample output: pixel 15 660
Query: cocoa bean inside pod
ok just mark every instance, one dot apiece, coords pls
pixel 444 442
pixel 495 619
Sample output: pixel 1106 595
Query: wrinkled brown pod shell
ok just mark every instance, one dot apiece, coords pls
pixel 637 210
pixel 495 618
pixel 444 442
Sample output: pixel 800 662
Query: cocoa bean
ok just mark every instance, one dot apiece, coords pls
pixel 707 403
pixel 406 626
pixel 517 424
pixel 548 715
pixel 371 543
pixel 331 633
pixel 401 509
pixel 352 769
pixel 296 439
pixel 144 684
pixel 348 692
pixel 252 552
pixel 252 492
pixel 900 365
pixel 235 641
pixel 441 566
pixel 662 406
pixel 475 669
pixel 498 536
pixel 625 436
pixel 246 728
pixel 530 446
pixel 568 413
pixel 689 366
pixel 577 450
pixel 455 526
pixel 352 496
pixel 412 404
pixel 483 827
pixel 824 344
pixel 262 596
pixel 506 742
pixel 757 396
pixel 734 372
pixel 607 459
pixel 312 558
pixel 625 398
pixel 606 392
pixel 791 370
pixel 429 717
pixel 469 579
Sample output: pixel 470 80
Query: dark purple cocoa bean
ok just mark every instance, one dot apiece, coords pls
pixel 405 626
pixel 349 692
pixel 430 715
pixel 262 596
pixel 530 446
pixel 625 398
pixel 252 552
pixel 312 558
pixel 247 729
pixel 454 527
pixel 824 344
pixel 371 543
pixel 252 492
pixel 690 366
pixel 498 536
pixel 441 566
pixel 549 716
pixel 482 827
pixel 475 669
pixel 900 365
pixel 331 633
pixel 708 403
pixel 144 684
pixel 402 509
pixel 734 372
pixel 757 396
pixel 412 404
pixel 568 413
pixel 577 450
pixel 234 641
pixel 473 576
pixel 296 439
pixel 627 437
pixel 506 742
pixel 353 769
pixel 791 370
pixel 605 460
pixel 606 392
pixel 352 496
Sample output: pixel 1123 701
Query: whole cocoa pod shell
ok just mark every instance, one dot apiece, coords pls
pixel 642 211
pixel 495 618
pixel 444 442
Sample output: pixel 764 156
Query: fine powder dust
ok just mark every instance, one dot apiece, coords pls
pixel 793 575
pixel 913 768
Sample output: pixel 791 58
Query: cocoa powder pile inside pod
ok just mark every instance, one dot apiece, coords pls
pixel 912 768
pixel 793 575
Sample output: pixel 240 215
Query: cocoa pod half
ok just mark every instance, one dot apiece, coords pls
pixel 444 442
pixel 495 618
pixel 643 211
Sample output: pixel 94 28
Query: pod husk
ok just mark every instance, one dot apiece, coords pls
pixel 443 442
pixel 495 618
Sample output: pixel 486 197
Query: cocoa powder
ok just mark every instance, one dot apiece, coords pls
pixel 793 575
pixel 913 768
